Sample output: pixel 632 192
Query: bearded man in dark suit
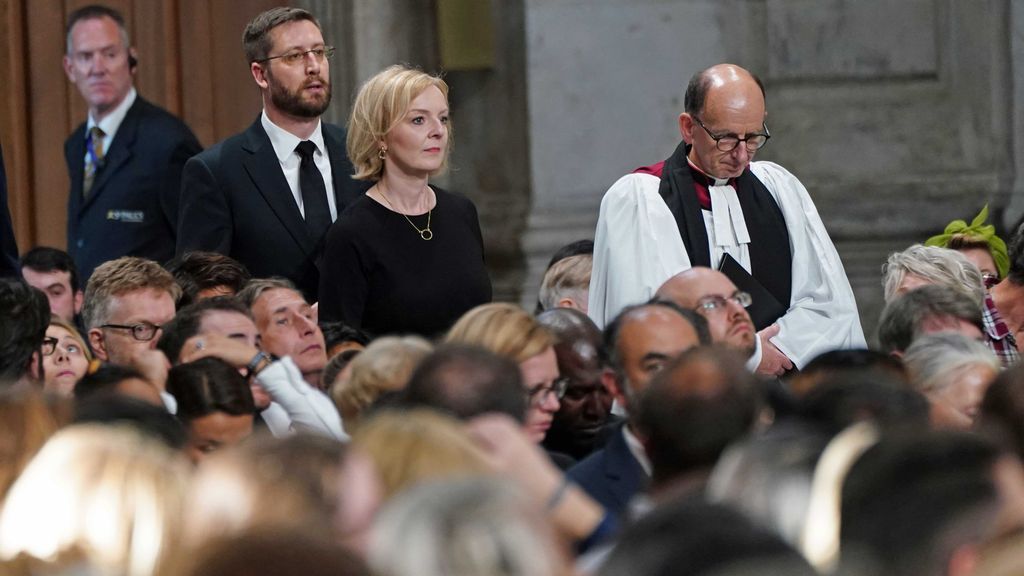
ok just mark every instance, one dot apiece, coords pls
pixel 125 161
pixel 267 196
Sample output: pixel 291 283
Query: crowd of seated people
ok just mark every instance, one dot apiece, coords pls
pixel 194 415
pixel 176 437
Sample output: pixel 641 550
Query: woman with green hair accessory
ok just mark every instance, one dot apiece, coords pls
pixel 979 243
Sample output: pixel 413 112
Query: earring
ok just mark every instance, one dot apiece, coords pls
pixel 383 152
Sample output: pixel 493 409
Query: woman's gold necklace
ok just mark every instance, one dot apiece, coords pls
pixel 425 233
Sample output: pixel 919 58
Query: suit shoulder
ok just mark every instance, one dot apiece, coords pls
pixel 335 131
pixel 153 115
pixel 587 469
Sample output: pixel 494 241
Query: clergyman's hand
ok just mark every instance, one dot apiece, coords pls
pixel 773 361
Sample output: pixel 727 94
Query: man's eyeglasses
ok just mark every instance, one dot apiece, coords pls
pixel 716 302
pixel 538 394
pixel 292 58
pixel 143 331
pixel 729 142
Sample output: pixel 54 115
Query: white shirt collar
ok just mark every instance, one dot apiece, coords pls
pixel 284 142
pixel 111 122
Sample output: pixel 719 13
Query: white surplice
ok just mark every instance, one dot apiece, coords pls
pixel 637 247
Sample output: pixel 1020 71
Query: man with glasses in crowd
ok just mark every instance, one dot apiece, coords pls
pixel 709 200
pixel 712 295
pixel 267 196
pixel 127 303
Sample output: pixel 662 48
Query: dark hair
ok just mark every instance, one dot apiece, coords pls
pixel 338 332
pixel 270 551
pixel 694 408
pixel 690 537
pixel 466 381
pixel 186 323
pixel 571 326
pixel 105 379
pixel 850 396
pixel 206 386
pixel 111 408
pixel 335 365
pixel 1016 254
pixel 47 259
pixel 584 246
pixel 909 500
pixel 95 12
pixel 902 318
pixel 828 365
pixel 256 38
pixel 1002 409
pixel 198 271
pixel 699 86
pixel 611 331
pixel 24 316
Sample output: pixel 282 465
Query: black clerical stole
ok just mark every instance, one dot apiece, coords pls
pixel 771 261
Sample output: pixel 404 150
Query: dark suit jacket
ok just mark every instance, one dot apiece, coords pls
pixel 132 208
pixel 612 475
pixel 8 247
pixel 236 201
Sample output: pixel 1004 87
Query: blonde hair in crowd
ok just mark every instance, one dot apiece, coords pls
pixel 411 447
pixel 384 366
pixel 381 104
pixel 108 492
pixel 505 329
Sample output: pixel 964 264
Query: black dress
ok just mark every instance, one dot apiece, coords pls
pixel 379 275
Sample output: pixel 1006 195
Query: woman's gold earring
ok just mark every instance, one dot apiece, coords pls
pixel 382 153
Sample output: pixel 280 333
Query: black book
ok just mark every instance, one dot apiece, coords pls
pixel 765 308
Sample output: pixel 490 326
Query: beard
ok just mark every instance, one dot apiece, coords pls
pixel 295 102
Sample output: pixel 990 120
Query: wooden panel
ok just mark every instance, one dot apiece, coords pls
pixel 51 119
pixel 236 98
pixel 13 122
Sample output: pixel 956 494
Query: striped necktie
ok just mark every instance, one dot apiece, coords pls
pixel 94 157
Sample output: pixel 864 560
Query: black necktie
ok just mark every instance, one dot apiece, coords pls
pixel 314 193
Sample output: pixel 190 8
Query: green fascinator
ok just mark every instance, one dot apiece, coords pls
pixel 976 231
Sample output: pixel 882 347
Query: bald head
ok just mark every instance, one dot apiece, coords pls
pixel 699 287
pixel 728 101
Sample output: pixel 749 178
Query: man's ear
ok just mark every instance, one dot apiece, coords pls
pixel 686 127
pixel 98 345
pixel 133 59
pixel 35 367
pixel 69 68
pixel 612 383
pixel 79 298
pixel 568 303
pixel 259 74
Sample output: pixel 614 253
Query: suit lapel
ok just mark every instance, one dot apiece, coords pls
pixel 625 475
pixel 76 168
pixel 118 153
pixel 345 190
pixel 264 170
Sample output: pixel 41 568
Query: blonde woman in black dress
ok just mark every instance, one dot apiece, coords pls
pixel 406 257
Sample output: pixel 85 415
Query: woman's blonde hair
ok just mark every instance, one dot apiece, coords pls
pixel 505 329
pixel 410 447
pixel 381 104
pixel 384 366
pixel 58 321
pixel 109 492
